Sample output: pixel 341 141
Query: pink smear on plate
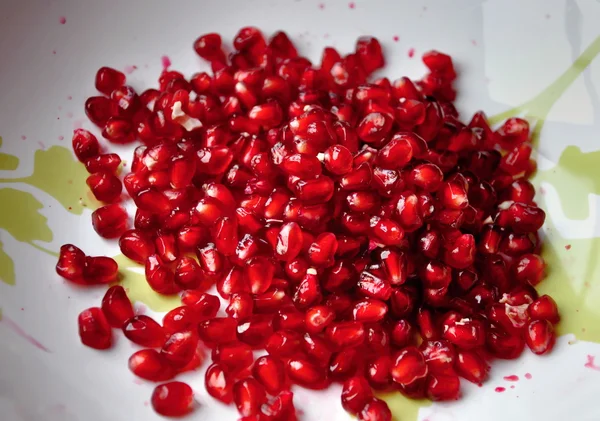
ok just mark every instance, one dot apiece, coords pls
pixel 23 137
pixel 499 389
pixel 590 363
pixel 62 20
pixel 78 124
pixel 568 247
pixel 42 145
pixel 130 69
pixel 411 52
pixel 351 5
pixel 69 97
pixel 321 6
pixel 69 115
pixel 61 138
pixel 528 376
pixel 166 62
pixel 396 38
pixel 511 378
pixel 19 331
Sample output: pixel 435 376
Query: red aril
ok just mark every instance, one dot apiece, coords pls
pixel 94 330
pixel 85 145
pixel 116 306
pixel 144 331
pixel 110 221
pixel 173 399
pixel 150 364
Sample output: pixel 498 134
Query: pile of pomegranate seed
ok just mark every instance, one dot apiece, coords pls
pixel 358 232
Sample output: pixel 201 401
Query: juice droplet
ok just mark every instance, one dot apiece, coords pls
pixel 411 53
pixel 499 389
pixel 511 378
pixel 62 20
pixel 528 376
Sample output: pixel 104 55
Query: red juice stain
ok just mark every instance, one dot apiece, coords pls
pixel 411 52
pixel 69 97
pixel 396 38
pixel 590 363
pixel 512 386
pixel 528 376
pixel 53 51
pixel 130 69
pixel 321 6
pixel 499 389
pixel 69 115
pixel 166 62
pixel 511 378
pixel 568 247
pixel 62 20
pixel 352 5
pixel 61 138
pixel 23 137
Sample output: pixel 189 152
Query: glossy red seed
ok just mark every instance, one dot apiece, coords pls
pixel 94 330
pixel 116 306
pixel 218 384
pixel 172 399
pixel 144 331
pixel 318 318
pixel 544 308
pixel 218 330
pixel 356 393
pixel 248 395
pixel 180 348
pixel 150 365
pixel 540 336
pixel 85 145
pixel 108 79
pixel 233 356
pixel 305 373
pixel 345 334
pixel 159 276
pixel 270 372
pixel 71 263
pixel 375 410
pixel 110 221
pixel 409 366
pixel 443 387
pixel 105 186
pixel 471 366
pixel 100 270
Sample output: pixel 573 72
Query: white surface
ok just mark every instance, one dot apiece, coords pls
pixel 506 52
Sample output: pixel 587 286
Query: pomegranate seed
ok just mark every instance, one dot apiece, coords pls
pixel 270 372
pixel 443 387
pixel 345 334
pixel 375 410
pixel 544 308
pixel 318 318
pixel 103 163
pixel 173 399
pixel 471 366
pixel 100 109
pixel 306 374
pixel 208 47
pixel 71 263
pixel 108 79
pixel 218 330
pixel 529 269
pixel 249 396
pixel 289 241
pixel 100 270
pixel 409 366
pixel 85 145
pixel 218 384
pixel 110 221
pixel 180 319
pixel 356 393
pixel 150 365
pixel 106 187
pixel 94 329
pixel 160 277
pixel 540 336
pixel 116 306
pixel 233 356
pixel 144 331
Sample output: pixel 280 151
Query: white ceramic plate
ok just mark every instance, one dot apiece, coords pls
pixel 509 54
